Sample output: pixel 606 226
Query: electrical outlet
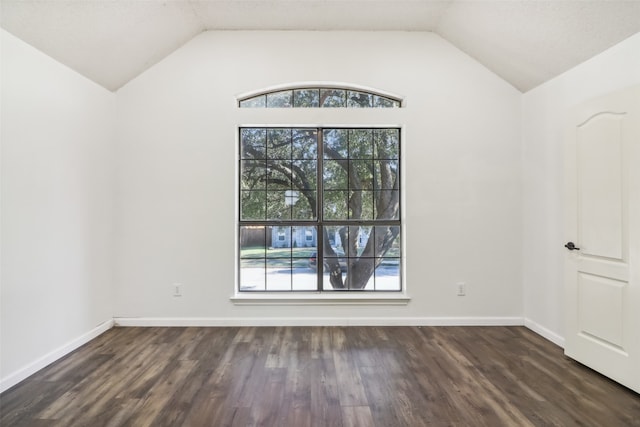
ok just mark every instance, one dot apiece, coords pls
pixel 462 289
pixel 177 289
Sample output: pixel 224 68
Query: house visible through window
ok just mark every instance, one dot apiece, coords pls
pixel 319 206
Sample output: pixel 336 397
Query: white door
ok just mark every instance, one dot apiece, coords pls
pixel 602 264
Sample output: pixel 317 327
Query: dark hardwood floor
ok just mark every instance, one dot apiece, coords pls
pixel 319 376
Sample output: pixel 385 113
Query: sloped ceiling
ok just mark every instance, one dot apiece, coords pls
pixel 526 42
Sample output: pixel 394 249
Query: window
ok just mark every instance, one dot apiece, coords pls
pixel 319 98
pixel 319 208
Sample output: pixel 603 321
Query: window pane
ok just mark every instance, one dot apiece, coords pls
pixel 361 205
pixel 255 102
pixel 280 242
pixel 252 242
pixel 387 204
pixel 335 144
pixel 359 99
pixel 387 241
pixel 335 205
pixel 310 234
pixel 304 174
pixel 360 143
pixel 253 143
pixel 252 205
pixel 338 237
pixel 335 176
pixel 361 175
pixel 360 236
pixel 276 207
pixel 305 144
pixel 303 279
pixel 387 275
pixel 336 251
pixel 334 276
pixel 360 275
pixel 278 175
pixel 387 143
pixel 303 208
pixel 386 174
pixel 253 173
pixel 279 144
pixel 332 98
pixel 279 274
pixel 279 99
pixel 387 249
pixel 306 98
pixel 382 102
pixel 303 241
pixel 252 275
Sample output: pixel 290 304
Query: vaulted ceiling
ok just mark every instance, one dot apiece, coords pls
pixel 526 42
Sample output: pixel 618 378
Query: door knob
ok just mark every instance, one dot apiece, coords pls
pixel 571 246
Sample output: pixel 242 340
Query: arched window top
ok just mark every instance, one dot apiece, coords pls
pixel 319 97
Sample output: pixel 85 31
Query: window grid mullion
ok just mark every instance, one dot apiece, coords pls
pixel 266 193
pixel 290 166
pixel 320 207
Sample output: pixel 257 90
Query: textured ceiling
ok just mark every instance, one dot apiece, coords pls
pixel 526 42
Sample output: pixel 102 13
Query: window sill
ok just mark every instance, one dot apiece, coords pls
pixel 256 298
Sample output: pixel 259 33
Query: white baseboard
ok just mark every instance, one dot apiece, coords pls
pixel 544 332
pixel 47 359
pixel 318 321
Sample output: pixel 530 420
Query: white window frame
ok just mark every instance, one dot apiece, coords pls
pixel 323 118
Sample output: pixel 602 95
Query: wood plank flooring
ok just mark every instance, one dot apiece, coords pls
pixel 318 376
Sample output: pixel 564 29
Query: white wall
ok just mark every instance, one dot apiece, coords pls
pixel 468 216
pixel 57 208
pixel 543 160
pixel 176 197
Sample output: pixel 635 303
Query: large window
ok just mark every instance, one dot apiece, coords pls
pixel 319 209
